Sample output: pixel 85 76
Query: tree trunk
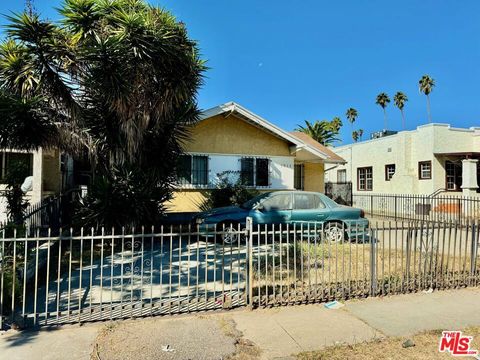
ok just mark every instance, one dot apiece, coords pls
pixel 403 119
pixel 384 119
pixel 428 109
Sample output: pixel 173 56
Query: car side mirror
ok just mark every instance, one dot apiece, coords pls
pixel 259 207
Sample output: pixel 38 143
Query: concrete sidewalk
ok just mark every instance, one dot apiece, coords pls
pixel 277 333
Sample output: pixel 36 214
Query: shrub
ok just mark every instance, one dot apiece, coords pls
pixel 227 194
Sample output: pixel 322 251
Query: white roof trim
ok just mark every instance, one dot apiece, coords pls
pixel 261 122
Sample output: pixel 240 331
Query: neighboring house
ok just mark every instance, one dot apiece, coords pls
pixel 433 158
pixel 45 168
pixel 231 141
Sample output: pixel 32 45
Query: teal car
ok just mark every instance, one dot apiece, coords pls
pixel 286 207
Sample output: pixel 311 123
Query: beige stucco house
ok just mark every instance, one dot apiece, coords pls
pixel 432 159
pixel 232 141
pixel 229 140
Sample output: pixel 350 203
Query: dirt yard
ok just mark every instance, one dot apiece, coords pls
pixel 426 348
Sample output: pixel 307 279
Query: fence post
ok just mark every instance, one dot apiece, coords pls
pixel 249 226
pixel 371 205
pixel 373 265
pixel 473 254
pixel 395 204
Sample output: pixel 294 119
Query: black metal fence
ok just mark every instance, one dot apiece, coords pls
pixel 440 208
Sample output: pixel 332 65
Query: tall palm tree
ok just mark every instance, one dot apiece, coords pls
pixel 352 115
pixel 426 85
pixel 325 132
pixel 336 123
pixel 400 99
pixel 355 135
pixel 383 100
pixel 360 134
pixel 105 81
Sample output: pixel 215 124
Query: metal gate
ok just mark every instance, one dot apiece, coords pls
pixel 106 276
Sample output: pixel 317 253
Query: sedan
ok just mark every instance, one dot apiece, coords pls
pixel 287 207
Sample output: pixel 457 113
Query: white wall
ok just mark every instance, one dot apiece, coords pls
pixel 281 169
pixel 405 150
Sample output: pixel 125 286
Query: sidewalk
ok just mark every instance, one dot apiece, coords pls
pixel 276 333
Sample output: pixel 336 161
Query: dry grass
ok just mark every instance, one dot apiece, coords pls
pixel 326 265
pixel 426 348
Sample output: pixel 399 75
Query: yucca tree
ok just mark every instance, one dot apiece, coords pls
pixel 355 135
pixel 115 80
pixel 325 132
pixel 400 99
pixel 426 85
pixel 383 100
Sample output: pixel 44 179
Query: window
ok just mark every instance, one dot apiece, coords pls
pixel 9 159
pixel 255 172
pixel 193 170
pixel 342 176
pixel 261 178
pixel 298 176
pixel 278 202
pixel 453 176
pixel 425 170
pixel 307 202
pixel 389 171
pixel 365 179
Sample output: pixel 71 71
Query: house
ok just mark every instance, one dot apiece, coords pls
pixel 231 141
pixel 431 159
pixel 45 168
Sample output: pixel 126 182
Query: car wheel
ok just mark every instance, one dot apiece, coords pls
pixel 231 235
pixel 334 232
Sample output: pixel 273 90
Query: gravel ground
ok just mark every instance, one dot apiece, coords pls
pixel 196 337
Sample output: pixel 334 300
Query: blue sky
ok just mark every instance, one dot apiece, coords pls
pixel 307 60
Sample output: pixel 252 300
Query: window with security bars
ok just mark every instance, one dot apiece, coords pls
pixel 255 172
pixel 193 170
pixel 298 176
pixel 365 179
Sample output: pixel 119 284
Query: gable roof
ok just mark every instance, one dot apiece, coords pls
pixel 317 150
pixel 309 140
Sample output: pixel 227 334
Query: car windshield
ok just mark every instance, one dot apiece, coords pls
pixel 252 202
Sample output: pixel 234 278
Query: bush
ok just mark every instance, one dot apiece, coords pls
pixel 16 203
pixel 227 194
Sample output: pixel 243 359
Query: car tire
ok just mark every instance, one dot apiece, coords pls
pixel 335 232
pixel 231 235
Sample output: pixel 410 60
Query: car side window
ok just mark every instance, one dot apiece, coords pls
pixel 308 202
pixel 278 202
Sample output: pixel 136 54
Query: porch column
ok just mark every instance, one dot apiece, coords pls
pixel 469 177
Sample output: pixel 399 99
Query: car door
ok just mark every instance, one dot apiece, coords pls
pixel 309 207
pixel 275 209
